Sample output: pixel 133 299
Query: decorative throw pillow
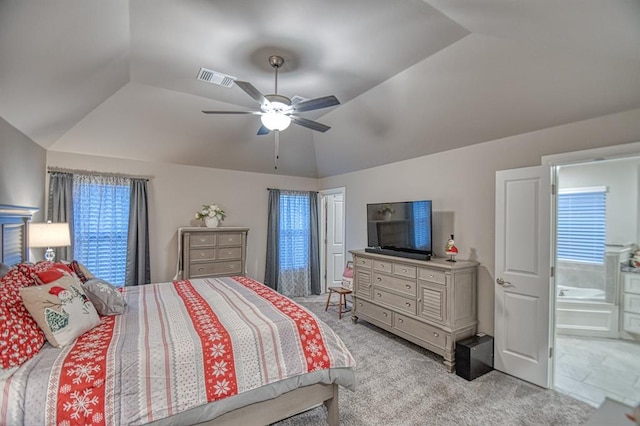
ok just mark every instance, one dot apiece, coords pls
pixel 61 309
pixel 81 271
pixel 20 336
pixel 105 297
pixel 53 273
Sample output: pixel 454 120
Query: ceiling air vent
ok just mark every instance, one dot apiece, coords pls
pixel 215 77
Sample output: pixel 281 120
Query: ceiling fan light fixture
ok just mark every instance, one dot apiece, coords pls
pixel 275 120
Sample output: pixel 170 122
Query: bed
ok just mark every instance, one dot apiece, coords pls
pixel 206 351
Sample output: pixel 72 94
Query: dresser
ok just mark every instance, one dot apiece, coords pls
pixel 212 252
pixel 430 303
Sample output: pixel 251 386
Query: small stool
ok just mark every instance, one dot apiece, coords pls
pixel 342 292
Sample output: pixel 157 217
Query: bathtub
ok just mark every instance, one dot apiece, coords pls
pixel 584 312
pixel 577 293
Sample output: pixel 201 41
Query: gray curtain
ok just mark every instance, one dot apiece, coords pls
pixel 272 267
pixel 61 207
pixel 314 244
pixel 138 269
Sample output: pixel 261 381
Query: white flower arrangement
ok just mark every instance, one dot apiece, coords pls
pixel 211 211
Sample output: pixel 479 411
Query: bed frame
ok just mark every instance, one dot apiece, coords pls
pixel 283 406
pixel 14 233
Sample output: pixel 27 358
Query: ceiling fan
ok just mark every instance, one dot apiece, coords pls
pixel 278 111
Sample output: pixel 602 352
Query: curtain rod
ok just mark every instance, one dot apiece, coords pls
pixel 292 190
pixel 96 173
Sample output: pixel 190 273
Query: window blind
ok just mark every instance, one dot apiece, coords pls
pixel 582 224
pixel 294 231
pixel 101 225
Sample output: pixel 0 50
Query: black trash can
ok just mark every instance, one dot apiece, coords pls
pixel 474 356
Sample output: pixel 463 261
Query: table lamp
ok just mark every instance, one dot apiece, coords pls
pixel 49 235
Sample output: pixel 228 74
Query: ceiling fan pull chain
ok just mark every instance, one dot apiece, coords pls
pixel 277 153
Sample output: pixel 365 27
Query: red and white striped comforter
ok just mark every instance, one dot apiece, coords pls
pixel 178 346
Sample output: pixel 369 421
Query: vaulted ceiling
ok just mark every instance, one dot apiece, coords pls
pixel 117 78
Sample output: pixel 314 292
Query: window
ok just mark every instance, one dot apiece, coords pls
pixel 294 231
pixel 101 225
pixel 582 224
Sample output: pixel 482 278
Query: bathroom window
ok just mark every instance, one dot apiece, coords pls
pixel 582 224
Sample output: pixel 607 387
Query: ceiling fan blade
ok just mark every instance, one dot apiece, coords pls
pixel 253 92
pixel 317 103
pixel 310 124
pixel 234 112
pixel 263 131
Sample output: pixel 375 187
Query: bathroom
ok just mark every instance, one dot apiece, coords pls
pixel 597 303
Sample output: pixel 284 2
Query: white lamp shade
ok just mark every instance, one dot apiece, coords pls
pixel 275 121
pixel 49 235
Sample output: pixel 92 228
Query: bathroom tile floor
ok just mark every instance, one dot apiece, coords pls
pixel 590 369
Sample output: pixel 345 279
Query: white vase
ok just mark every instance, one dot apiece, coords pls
pixel 211 222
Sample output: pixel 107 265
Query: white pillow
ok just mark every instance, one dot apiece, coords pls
pixel 61 309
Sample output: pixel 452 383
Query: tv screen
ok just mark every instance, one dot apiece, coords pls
pixel 401 229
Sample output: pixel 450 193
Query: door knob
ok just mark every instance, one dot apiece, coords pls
pixel 502 282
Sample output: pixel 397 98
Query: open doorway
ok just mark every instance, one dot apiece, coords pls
pixel 333 250
pixel 597 325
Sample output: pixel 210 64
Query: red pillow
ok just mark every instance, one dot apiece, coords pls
pixel 20 336
pixel 45 273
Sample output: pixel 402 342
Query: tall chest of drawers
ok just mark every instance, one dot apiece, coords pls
pixel 430 303
pixel 212 252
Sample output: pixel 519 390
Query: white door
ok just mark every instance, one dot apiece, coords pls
pixel 335 256
pixel 522 273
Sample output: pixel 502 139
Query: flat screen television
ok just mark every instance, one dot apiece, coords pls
pixel 400 229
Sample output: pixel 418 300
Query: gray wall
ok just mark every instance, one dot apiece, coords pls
pixel 461 183
pixel 22 170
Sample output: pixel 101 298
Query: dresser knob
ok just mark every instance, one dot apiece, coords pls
pixel 379 279
pixel 431 276
pixel 435 334
pixel 385 314
pixel 404 270
pixel 408 286
pixel 378 294
pixel 200 269
pixel 407 304
pixel 400 320
pixel 359 304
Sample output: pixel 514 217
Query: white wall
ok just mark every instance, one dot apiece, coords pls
pixel 461 183
pixel 22 170
pixel 621 179
pixel 176 192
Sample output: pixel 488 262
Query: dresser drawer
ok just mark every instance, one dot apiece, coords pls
pixel 229 239
pixel 197 254
pixel 202 239
pixel 381 265
pixel 374 311
pixel 632 303
pixel 361 261
pixel 431 275
pixel 420 330
pixel 228 253
pixel 405 270
pixel 404 304
pixel 215 268
pixel 393 283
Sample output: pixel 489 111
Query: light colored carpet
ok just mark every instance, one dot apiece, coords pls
pixel 399 383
